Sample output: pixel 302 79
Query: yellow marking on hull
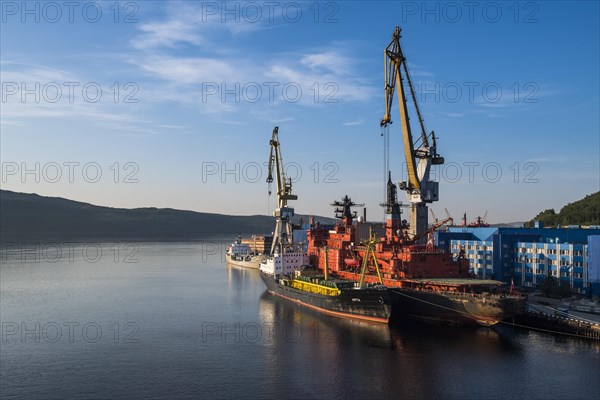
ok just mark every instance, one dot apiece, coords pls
pixel 315 288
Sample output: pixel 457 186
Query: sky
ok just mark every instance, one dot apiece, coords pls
pixel 172 104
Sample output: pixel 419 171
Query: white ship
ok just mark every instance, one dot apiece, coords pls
pixel 240 255
pixel 284 264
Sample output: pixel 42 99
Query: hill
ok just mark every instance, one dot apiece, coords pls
pixel 582 212
pixel 29 216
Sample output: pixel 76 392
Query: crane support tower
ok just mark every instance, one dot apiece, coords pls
pixel 420 152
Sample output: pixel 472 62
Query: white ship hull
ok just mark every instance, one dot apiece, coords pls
pixel 253 263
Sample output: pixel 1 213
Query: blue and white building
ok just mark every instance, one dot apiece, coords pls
pixel 534 261
pixel 528 255
pixel 480 255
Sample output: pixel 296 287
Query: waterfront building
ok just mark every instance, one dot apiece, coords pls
pixel 528 255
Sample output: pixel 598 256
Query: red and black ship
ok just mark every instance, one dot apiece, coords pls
pixel 424 282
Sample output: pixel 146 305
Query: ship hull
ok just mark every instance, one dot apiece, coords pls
pixel 453 307
pixel 363 304
pixel 254 262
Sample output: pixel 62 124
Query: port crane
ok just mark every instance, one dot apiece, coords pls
pixel 282 237
pixel 420 152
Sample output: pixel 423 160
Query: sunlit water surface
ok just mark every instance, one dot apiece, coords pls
pixel 172 320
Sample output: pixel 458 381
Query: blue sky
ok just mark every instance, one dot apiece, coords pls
pixel 173 104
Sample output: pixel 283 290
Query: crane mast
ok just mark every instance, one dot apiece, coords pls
pixel 282 237
pixel 420 152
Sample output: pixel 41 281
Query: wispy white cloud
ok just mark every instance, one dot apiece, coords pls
pixel 168 33
pixel 354 123
pixel 190 23
pixel 226 77
pixel 331 61
pixel 180 70
pixel 172 126
pixel 419 71
pixel 61 95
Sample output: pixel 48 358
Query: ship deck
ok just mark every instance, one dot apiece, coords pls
pixel 457 281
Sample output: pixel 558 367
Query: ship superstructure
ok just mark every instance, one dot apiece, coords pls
pixel 241 255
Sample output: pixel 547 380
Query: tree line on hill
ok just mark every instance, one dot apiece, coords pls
pixel 582 212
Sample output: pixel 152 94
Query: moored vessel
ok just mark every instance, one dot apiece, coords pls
pixel 337 297
pixel 286 273
pixel 424 282
pixel 241 255
pixel 462 301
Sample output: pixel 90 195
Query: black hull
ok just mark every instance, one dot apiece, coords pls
pixel 454 308
pixel 363 304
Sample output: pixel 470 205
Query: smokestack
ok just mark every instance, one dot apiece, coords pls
pixel 365 214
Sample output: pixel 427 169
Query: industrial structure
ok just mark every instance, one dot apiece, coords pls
pixel 286 271
pixel 424 282
pixel 526 256
pixel 282 237
pixel 420 152
pixel 259 244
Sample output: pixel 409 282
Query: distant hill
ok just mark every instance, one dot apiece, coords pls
pixel 582 212
pixel 517 224
pixel 25 215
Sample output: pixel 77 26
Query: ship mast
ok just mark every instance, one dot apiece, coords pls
pixel 282 237
pixel 343 210
pixel 393 223
pixel 420 152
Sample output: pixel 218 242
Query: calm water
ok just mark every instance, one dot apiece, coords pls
pixel 77 322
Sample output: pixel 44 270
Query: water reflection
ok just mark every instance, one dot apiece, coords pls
pixel 412 360
pixel 213 331
pixel 237 276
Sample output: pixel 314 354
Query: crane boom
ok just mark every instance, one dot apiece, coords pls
pixel 393 59
pixel 433 228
